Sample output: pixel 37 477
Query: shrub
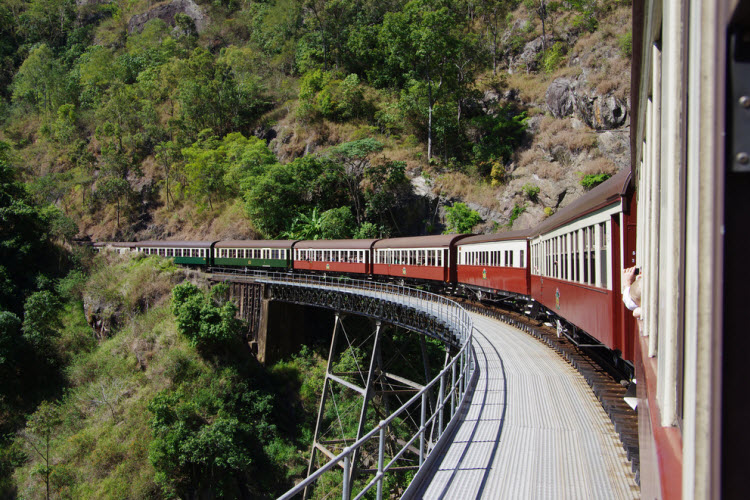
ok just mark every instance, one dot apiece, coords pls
pixel 626 44
pixel 592 180
pixel 531 191
pixel 516 213
pixel 548 211
pixel 461 219
pixel 206 323
pixel 553 57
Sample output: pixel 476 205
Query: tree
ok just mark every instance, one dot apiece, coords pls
pixel 47 20
pixel 210 97
pixel 284 191
pixel 41 322
pixel 422 41
pixel 167 154
pixel 10 337
pixel 461 219
pixel 208 324
pixel 493 13
pixel 39 432
pixel 205 169
pixel 39 80
pixel 354 157
pixel 386 189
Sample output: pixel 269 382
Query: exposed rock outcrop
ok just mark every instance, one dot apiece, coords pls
pixel 528 59
pixel 167 12
pixel 566 97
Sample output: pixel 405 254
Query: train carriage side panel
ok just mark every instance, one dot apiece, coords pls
pixel 576 267
pixel 424 258
pixel 269 254
pixel 497 262
pixel 334 256
pixel 194 253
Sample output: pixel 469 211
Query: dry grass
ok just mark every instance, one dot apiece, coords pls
pixel 600 165
pixel 459 185
pixel 554 133
pixel 530 157
pixel 612 77
pixel 531 87
pixel 548 170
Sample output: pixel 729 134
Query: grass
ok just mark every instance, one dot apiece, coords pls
pixel 468 189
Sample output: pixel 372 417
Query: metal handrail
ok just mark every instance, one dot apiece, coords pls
pixel 458 383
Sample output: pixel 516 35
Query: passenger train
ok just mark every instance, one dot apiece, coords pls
pixel 688 189
pixel 570 264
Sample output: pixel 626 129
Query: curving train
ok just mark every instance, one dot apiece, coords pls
pixel 570 264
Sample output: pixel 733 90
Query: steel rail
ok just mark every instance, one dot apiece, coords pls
pixel 456 374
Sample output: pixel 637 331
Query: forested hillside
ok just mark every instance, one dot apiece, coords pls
pixel 293 117
pixel 125 378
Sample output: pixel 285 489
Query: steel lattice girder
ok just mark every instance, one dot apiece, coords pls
pixel 391 312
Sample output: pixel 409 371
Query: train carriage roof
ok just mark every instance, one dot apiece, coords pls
pixel 520 234
pixel 117 244
pixel 255 244
pixel 175 244
pixel 608 192
pixel 334 244
pixel 436 241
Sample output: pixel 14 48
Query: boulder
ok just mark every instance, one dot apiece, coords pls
pixel 602 112
pixel 528 59
pixel 560 97
pixel 564 97
pixel 615 145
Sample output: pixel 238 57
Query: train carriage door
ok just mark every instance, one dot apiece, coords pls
pixel 447 264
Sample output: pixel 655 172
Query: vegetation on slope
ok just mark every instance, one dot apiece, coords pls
pixel 148 128
pixel 169 403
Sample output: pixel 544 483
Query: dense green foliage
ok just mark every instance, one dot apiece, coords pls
pixel 592 180
pixel 461 218
pixel 147 412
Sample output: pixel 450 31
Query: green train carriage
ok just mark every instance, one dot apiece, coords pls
pixel 191 253
pixel 273 254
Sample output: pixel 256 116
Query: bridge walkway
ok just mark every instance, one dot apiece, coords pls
pixel 533 429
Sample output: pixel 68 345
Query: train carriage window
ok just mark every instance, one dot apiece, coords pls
pixel 592 254
pixel 585 250
pixel 521 262
pixel 578 256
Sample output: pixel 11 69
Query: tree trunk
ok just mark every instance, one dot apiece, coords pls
pixel 429 122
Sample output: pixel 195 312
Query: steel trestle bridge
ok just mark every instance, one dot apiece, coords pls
pixel 505 417
pixel 438 402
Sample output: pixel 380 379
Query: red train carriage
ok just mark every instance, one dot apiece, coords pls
pixel 576 260
pixel 335 256
pixel 417 258
pixel 495 263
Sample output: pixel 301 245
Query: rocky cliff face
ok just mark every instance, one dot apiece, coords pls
pixel 568 97
pixel 167 12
